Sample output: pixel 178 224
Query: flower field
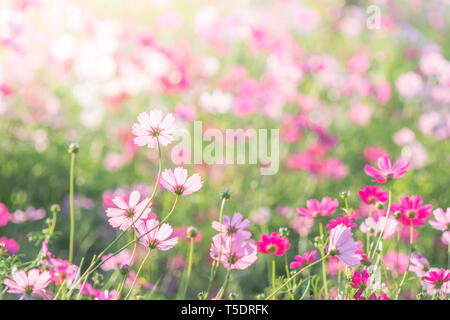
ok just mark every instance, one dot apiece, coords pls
pixel 239 149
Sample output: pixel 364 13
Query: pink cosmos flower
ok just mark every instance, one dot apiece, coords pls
pixel 442 222
pixel 236 253
pixel 446 237
pixel 114 262
pixel 5 216
pixel 418 264
pixel 32 283
pixel 235 226
pixel 343 246
pixel 412 211
pixel 273 244
pixel 176 181
pixel 373 296
pixel 409 84
pixel 30 213
pixel 9 245
pixel 372 195
pixel 387 172
pixel 374 225
pixel 315 209
pixel 125 214
pixel 62 271
pixel 372 153
pixel 359 281
pixel 346 221
pixel 437 281
pixel 152 237
pixel 140 281
pixel 302 225
pixel 396 262
pixel 302 261
pixel 153 129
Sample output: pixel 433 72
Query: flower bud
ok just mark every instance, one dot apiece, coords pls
pixel 379 206
pixel 73 148
pixel 344 194
pixel 201 295
pixel 226 194
pixel 55 208
pixel 124 269
pixel 397 215
pixel 260 296
pixel 284 232
pixel 191 232
pixel 420 296
pixel 232 296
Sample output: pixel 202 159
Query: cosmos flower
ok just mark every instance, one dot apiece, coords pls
pixel 343 246
pixel 302 261
pixel 125 214
pixel 154 129
pixel 32 283
pixel 418 264
pixel 412 211
pixel 273 244
pixel 359 281
pixel 9 245
pixel 374 225
pixel 236 253
pixel 5 216
pixel 315 209
pixel 346 221
pixel 176 181
pixel 386 171
pixel 235 226
pixel 372 195
pixel 153 237
pixel 442 221
pixel 437 281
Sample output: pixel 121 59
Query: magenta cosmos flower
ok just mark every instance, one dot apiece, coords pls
pixel 176 181
pixel 346 221
pixel 442 222
pixel 153 237
pixel 235 253
pixel 343 246
pixel 273 244
pixel 437 281
pixel 234 227
pixel 5 216
pixel 386 171
pixel 315 209
pixel 302 261
pixel 31 283
pixel 372 195
pixel 125 214
pixel 9 245
pixel 154 129
pixel 412 211
pixel 359 281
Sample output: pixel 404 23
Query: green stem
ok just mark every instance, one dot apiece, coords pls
pixel 273 273
pixel 294 276
pixel 189 268
pixel 137 274
pixel 72 211
pixel 372 254
pixel 324 264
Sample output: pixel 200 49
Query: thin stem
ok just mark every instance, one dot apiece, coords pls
pixel 189 268
pixel 295 275
pixel 273 273
pixel 224 286
pixel 324 264
pixel 137 274
pixel 72 211
pixel 409 262
pixel 372 254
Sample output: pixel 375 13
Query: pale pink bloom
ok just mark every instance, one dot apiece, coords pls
pixel 125 214
pixel 32 283
pixel 9 245
pixel 446 237
pixel 153 237
pixel 284 211
pixel 383 91
pixel 234 227
pixel 360 114
pixel 186 111
pixel 418 264
pixel 386 171
pixel 343 246
pixel 5 216
pixel 176 181
pixel 372 153
pixel 116 261
pixel 373 194
pixel 409 84
pixel 235 253
pixel 114 161
pixel 302 225
pixel 373 226
pixel 261 215
pixel 404 137
pixel 432 63
pixel 358 63
pixel 153 129
pixel 396 262
pixel 442 222
pixel 315 209
pixel 31 213
pixel 140 281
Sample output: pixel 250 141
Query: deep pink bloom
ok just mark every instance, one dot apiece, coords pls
pixel 302 261
pixel 32 283
pixel 273 244
pixel 176 181
pixel 412 211
pixel 125 214
pixel 372 195
pixel 62 271
pixel 386 171
pixel 315 209
pixel 382 296
pixel 359 281
pixel 5 216
pixel 153 129
pixel 155 237
pixel 234 226
pixel 235 253
pixel 343 246
pixel 346 221
pixel 372 153
pixel 437 281
pixel 442 222
pixel 9 245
